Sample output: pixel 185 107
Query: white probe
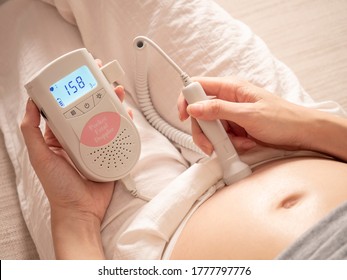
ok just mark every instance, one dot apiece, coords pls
pixel 233 168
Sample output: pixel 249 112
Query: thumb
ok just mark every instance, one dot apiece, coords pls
pixel 218 109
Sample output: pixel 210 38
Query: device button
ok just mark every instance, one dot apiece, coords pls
pixel 98 96
pixel 86 105
pixel 74 112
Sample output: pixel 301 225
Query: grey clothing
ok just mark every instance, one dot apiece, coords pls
pixel 327 240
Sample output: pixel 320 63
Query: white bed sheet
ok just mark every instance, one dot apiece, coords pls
pixel 198 35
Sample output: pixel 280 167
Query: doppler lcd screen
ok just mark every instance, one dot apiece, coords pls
pixel 73 86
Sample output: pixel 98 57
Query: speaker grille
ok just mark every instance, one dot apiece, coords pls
pixel 116 158
pixel 116 153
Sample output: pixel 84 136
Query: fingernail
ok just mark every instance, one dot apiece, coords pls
pixel 180 117
pixel 248 144
pixel 207 148
pixel 29 102
pixel 195 109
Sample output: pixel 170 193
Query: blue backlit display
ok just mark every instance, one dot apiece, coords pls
pixel 73 86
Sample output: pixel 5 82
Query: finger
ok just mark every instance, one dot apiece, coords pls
pixel 50 138
pixel 242 144
pixel 119 90
pixel 182 108
pixel 233 128
pixel 220 109
pixel 212 85
pixel 98 62
pixel 236 129
pixel 32 134
pixel 231 89
pixel 200 138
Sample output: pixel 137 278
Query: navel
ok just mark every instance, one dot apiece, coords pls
pixel 290 201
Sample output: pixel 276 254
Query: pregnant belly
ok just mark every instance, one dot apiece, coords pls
pixel 260 216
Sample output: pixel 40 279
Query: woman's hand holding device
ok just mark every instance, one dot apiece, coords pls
pixel 78 205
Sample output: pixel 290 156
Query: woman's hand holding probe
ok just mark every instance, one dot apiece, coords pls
pixel 251 116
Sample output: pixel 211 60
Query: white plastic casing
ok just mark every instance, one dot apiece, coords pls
pixel 233 168
pixel 95 130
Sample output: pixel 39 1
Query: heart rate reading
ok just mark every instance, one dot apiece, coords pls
pixel 73 86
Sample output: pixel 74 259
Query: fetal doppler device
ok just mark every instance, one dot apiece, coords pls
pixel 76 98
